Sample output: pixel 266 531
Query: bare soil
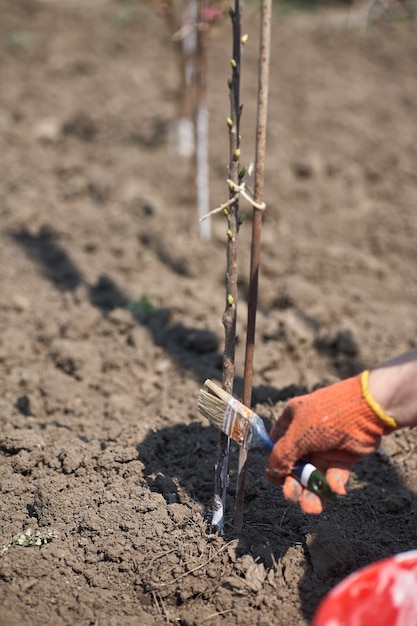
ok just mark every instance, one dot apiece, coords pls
pixel 111 307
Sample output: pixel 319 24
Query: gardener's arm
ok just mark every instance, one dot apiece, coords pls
pixel 336 426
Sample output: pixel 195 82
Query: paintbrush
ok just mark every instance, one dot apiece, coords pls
pixel 246 428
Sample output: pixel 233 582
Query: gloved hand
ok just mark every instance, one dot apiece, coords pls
pixel 332 428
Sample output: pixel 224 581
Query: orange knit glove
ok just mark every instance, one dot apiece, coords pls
pixel 332 428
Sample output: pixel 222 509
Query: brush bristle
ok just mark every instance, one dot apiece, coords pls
pixel 224 412
pixel 218 391
pixel 212 407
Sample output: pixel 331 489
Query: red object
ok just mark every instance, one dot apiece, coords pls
pixel 381 594
pixel 210 13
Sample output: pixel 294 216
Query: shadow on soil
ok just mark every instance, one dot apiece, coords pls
pixel 193 349
pixel 179 464
pixel 179 461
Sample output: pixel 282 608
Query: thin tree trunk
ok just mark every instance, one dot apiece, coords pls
pixel 229 316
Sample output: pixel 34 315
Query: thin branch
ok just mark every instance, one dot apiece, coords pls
pixel 213 615
pixel 239 190
pixel 194 569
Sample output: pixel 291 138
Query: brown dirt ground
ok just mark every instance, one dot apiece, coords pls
pixel 100 439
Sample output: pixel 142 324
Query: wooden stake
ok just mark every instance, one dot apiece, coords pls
pixel 264 53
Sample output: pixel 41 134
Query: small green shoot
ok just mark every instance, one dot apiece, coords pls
pixel 143 307
pixel 20 40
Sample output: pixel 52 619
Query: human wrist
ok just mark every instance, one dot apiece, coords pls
pixel 385 416
pixel 394 387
